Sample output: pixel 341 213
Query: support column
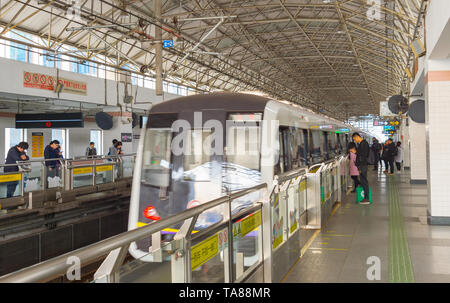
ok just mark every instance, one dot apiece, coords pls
pixel 437 109
pixel 158 50
pixel 417 155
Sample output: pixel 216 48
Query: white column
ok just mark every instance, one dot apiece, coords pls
pixel 437 110
pixel 404 138
pixel 437 91
pixel 417 155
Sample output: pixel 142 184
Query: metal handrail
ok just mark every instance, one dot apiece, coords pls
pixel 53 268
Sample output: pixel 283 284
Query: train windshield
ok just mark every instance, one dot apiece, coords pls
pixel 156 157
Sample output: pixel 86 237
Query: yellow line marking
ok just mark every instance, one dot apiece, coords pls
pixel 329 248
pixel 338 235
pixel 308 244
pixel 324 243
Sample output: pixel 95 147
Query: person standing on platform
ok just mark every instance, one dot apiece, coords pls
pixel 399 156
pixel 362 153
pixel 51 152
pixel 91 151
pixel 354 172
pixel 390 153
pixel 112 149
pixel 15 153
pixel 376 148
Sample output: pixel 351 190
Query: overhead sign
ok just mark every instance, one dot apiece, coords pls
pixel 394 122
pixel 48 82
pixel 167 43
pixel 50 120
pixel 380 123
pixel 342 130
pixel 389 128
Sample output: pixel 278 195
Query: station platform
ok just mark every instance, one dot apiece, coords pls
pixel 394 228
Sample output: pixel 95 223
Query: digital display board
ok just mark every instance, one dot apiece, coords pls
pixel 388 128
pixel 50 120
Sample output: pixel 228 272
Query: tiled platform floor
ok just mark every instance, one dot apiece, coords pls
pixel 340 251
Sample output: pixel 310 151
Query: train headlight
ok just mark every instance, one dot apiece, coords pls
pixel 151 213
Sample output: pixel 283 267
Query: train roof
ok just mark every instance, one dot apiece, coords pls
pixel 230 102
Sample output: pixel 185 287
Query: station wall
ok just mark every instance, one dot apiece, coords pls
pixel 13 72
pixel 79 138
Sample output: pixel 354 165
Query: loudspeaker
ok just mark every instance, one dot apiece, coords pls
pixel 103 120
pixel 417 111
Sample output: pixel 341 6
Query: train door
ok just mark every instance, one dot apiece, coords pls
pixel 285 161
pixel 305 154
pixel 326 146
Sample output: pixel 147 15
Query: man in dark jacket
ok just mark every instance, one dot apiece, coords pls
pixel 390 153
pixel 51 152
pixel 15 153
pixel 362 153
pixel 376 148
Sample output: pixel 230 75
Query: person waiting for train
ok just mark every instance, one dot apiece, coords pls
pixel 52 153
pixel 15 153
pixel 362 153
pixel 399 156
pixel 91 151
pixel 354 172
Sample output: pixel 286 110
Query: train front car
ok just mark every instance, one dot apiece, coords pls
pixel 195 149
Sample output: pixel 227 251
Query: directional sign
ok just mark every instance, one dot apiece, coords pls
pixel 167 43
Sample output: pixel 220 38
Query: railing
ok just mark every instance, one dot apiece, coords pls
pixel 263 237
pixel 67 174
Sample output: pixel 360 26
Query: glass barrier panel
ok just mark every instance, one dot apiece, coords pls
pixel 128 165
pixel 10 185
pixel 145 270
pixel 104 174
pixel 302 196
pixel 82 176
pixel 33 174
pixel 278 203
pixel 53 176
pixel 117 169
pixel 247 243
pixel 293 207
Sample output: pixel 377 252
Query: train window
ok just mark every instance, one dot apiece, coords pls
pixel 156 157
pixel 198 149
pixel 332 144
pixel 243 145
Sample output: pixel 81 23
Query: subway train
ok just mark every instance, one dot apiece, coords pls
pixel 197 148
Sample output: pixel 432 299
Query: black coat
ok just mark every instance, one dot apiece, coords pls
pixel 13 156
pixel 362 153
pixel 389 152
